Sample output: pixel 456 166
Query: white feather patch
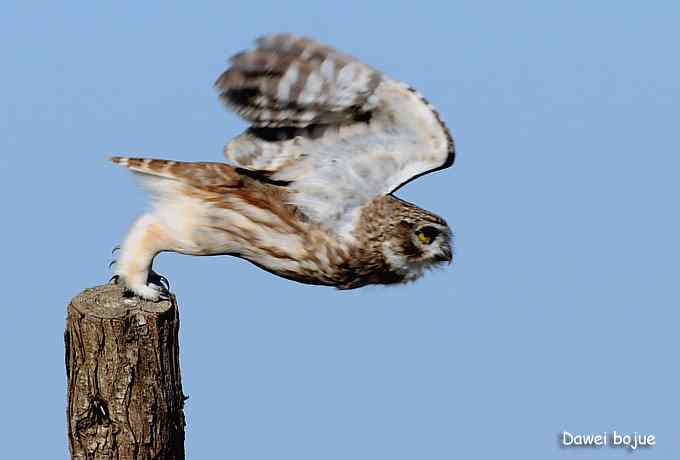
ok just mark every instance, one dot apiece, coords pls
pixel 287 82
pixel 312 89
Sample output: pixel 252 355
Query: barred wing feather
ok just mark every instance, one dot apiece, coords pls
pixel 339 131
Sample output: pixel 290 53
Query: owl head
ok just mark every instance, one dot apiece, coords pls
pixel 416 240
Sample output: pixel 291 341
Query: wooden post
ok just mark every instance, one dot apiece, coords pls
pixel 125 397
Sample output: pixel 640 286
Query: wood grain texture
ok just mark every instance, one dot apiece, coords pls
pixel 125 397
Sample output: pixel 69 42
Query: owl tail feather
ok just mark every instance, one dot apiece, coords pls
pixel 214 177
pixel 161 168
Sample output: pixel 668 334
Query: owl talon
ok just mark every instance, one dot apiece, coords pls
pixel 112 263
pixel 148 292
pixel 113 251
pixel 164 280
pixel 159 280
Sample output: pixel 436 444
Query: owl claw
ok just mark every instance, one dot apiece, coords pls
pixel 156 290
pixel 149 292
pixel 160 292
pixel 161 285
pixel 159 280
pixel 164 281
pixel 113 262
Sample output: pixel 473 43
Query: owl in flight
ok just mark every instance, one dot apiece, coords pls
pixel 309 192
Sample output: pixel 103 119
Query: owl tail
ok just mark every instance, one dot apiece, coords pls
pixel 157 174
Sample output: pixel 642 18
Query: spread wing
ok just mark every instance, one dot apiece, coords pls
pixel 338 130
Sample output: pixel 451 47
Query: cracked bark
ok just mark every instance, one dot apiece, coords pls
pixel 125 397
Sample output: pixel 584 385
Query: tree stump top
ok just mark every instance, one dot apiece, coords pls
pixel 110 301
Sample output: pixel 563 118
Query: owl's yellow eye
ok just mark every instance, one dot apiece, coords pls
pixel 424 238
pixel 427 235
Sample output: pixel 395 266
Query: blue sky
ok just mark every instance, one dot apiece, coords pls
pixel 560 311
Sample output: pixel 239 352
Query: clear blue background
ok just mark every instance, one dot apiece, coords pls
pixel 559 313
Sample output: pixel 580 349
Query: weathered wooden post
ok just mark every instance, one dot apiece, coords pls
pixel 125 397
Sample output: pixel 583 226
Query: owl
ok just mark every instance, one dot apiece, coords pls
pixel 308 193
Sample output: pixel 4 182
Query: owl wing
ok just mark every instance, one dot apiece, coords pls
pixel 340 132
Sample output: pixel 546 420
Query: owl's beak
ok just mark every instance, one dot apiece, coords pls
pixel 444 254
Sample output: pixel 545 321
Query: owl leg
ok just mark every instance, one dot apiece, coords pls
pixel 146 239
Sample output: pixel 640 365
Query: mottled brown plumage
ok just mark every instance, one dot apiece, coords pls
pixel 309 197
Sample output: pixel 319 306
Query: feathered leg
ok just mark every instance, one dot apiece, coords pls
pixel 146 239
